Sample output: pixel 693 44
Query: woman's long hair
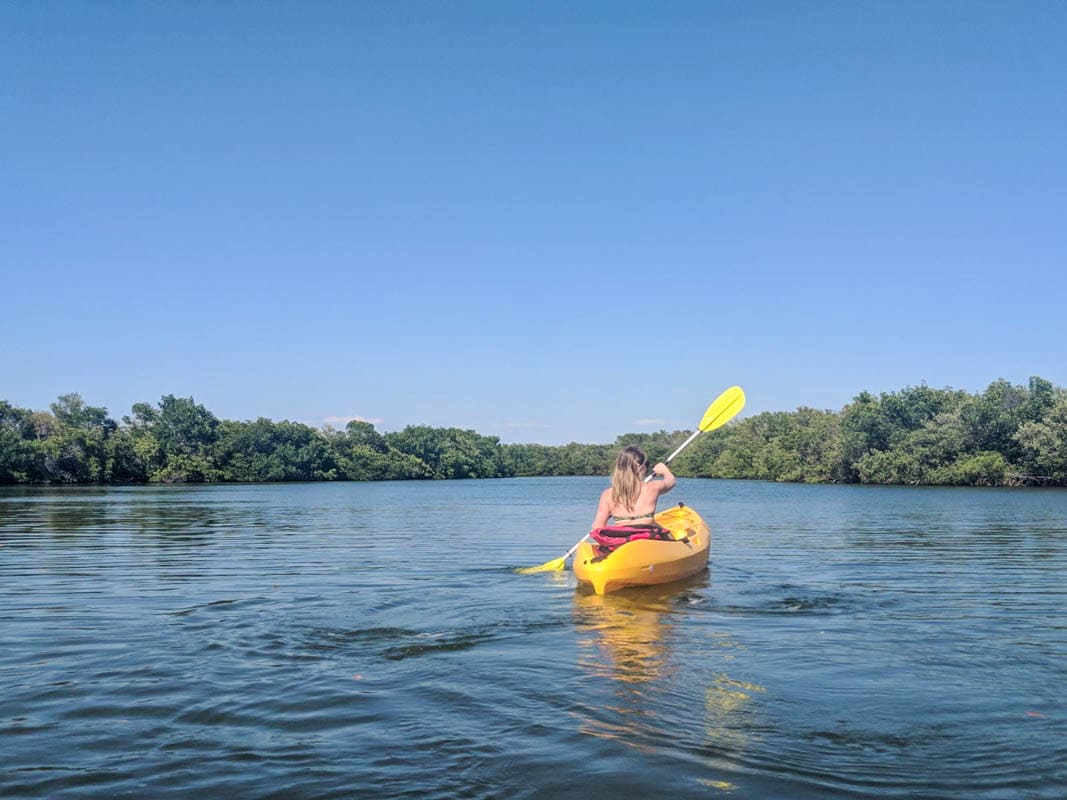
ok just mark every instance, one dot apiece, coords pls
pixel 628 476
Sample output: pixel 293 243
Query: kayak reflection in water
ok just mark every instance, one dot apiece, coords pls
pixel 659 671
pixel 630 631
pixel 630 501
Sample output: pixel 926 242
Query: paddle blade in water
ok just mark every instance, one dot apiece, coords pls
pixel 725 408
pixel 549 566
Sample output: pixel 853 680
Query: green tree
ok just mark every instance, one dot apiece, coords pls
pixel 584 459
pixel 183 426
pixel 76 450
pixel 363 434
pixel 994 417
pixel 185 433
pixel 124 463
pixel 17 452
pixel 1043 445
pixel 142 449
pixel 531 460
pixel 979 469
pixel 451 452
pixel 363 454
pixel 263 451
pixel 865 429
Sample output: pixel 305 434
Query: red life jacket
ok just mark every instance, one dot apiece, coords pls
pixel 613 536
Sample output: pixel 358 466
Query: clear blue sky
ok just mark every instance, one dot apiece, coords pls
pixel 547 221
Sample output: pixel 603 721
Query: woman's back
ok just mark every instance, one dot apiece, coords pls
pixel 630 499
pixel 643 506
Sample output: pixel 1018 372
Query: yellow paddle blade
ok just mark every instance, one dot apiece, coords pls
pixel 723 409
pixel 549 566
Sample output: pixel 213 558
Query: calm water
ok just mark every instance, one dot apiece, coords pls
pixel 371 640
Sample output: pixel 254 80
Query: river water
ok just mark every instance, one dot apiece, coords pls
pixel 356 640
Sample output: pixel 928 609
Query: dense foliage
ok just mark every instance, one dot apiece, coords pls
pixel 1007 435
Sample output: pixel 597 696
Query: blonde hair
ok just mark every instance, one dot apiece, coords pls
pixel 628 476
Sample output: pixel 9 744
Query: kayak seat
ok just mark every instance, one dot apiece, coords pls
pixel 610 538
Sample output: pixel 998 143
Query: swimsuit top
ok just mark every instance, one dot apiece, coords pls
pixel 617 518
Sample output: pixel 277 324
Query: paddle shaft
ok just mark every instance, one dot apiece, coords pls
pixel 574 549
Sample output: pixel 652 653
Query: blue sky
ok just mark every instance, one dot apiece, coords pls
pixel 545 221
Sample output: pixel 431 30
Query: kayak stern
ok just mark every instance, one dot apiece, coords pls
pixel 647 562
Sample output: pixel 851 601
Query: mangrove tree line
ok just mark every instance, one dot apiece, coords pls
pixel 1005 435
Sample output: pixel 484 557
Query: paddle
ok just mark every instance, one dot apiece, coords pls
pixel 722 409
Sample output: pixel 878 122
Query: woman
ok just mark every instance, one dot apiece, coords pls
pixel 629 500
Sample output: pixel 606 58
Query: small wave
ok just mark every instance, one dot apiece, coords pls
pixel 326 639
pixel 227 601
pixel 439 643
pixel 789 599
pixel 397 644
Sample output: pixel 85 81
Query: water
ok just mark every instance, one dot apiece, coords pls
pixel 371 640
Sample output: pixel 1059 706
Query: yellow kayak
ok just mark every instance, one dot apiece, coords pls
pixel 648 561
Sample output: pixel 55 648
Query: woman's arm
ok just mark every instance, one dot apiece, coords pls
pixel 668 481
pixel 603 510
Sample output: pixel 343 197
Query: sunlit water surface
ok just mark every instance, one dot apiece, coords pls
pixel 372 640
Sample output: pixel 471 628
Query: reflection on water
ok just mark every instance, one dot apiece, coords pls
pixel 664 691
pixel 729 725
pixel 624 641
pixel 626 634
